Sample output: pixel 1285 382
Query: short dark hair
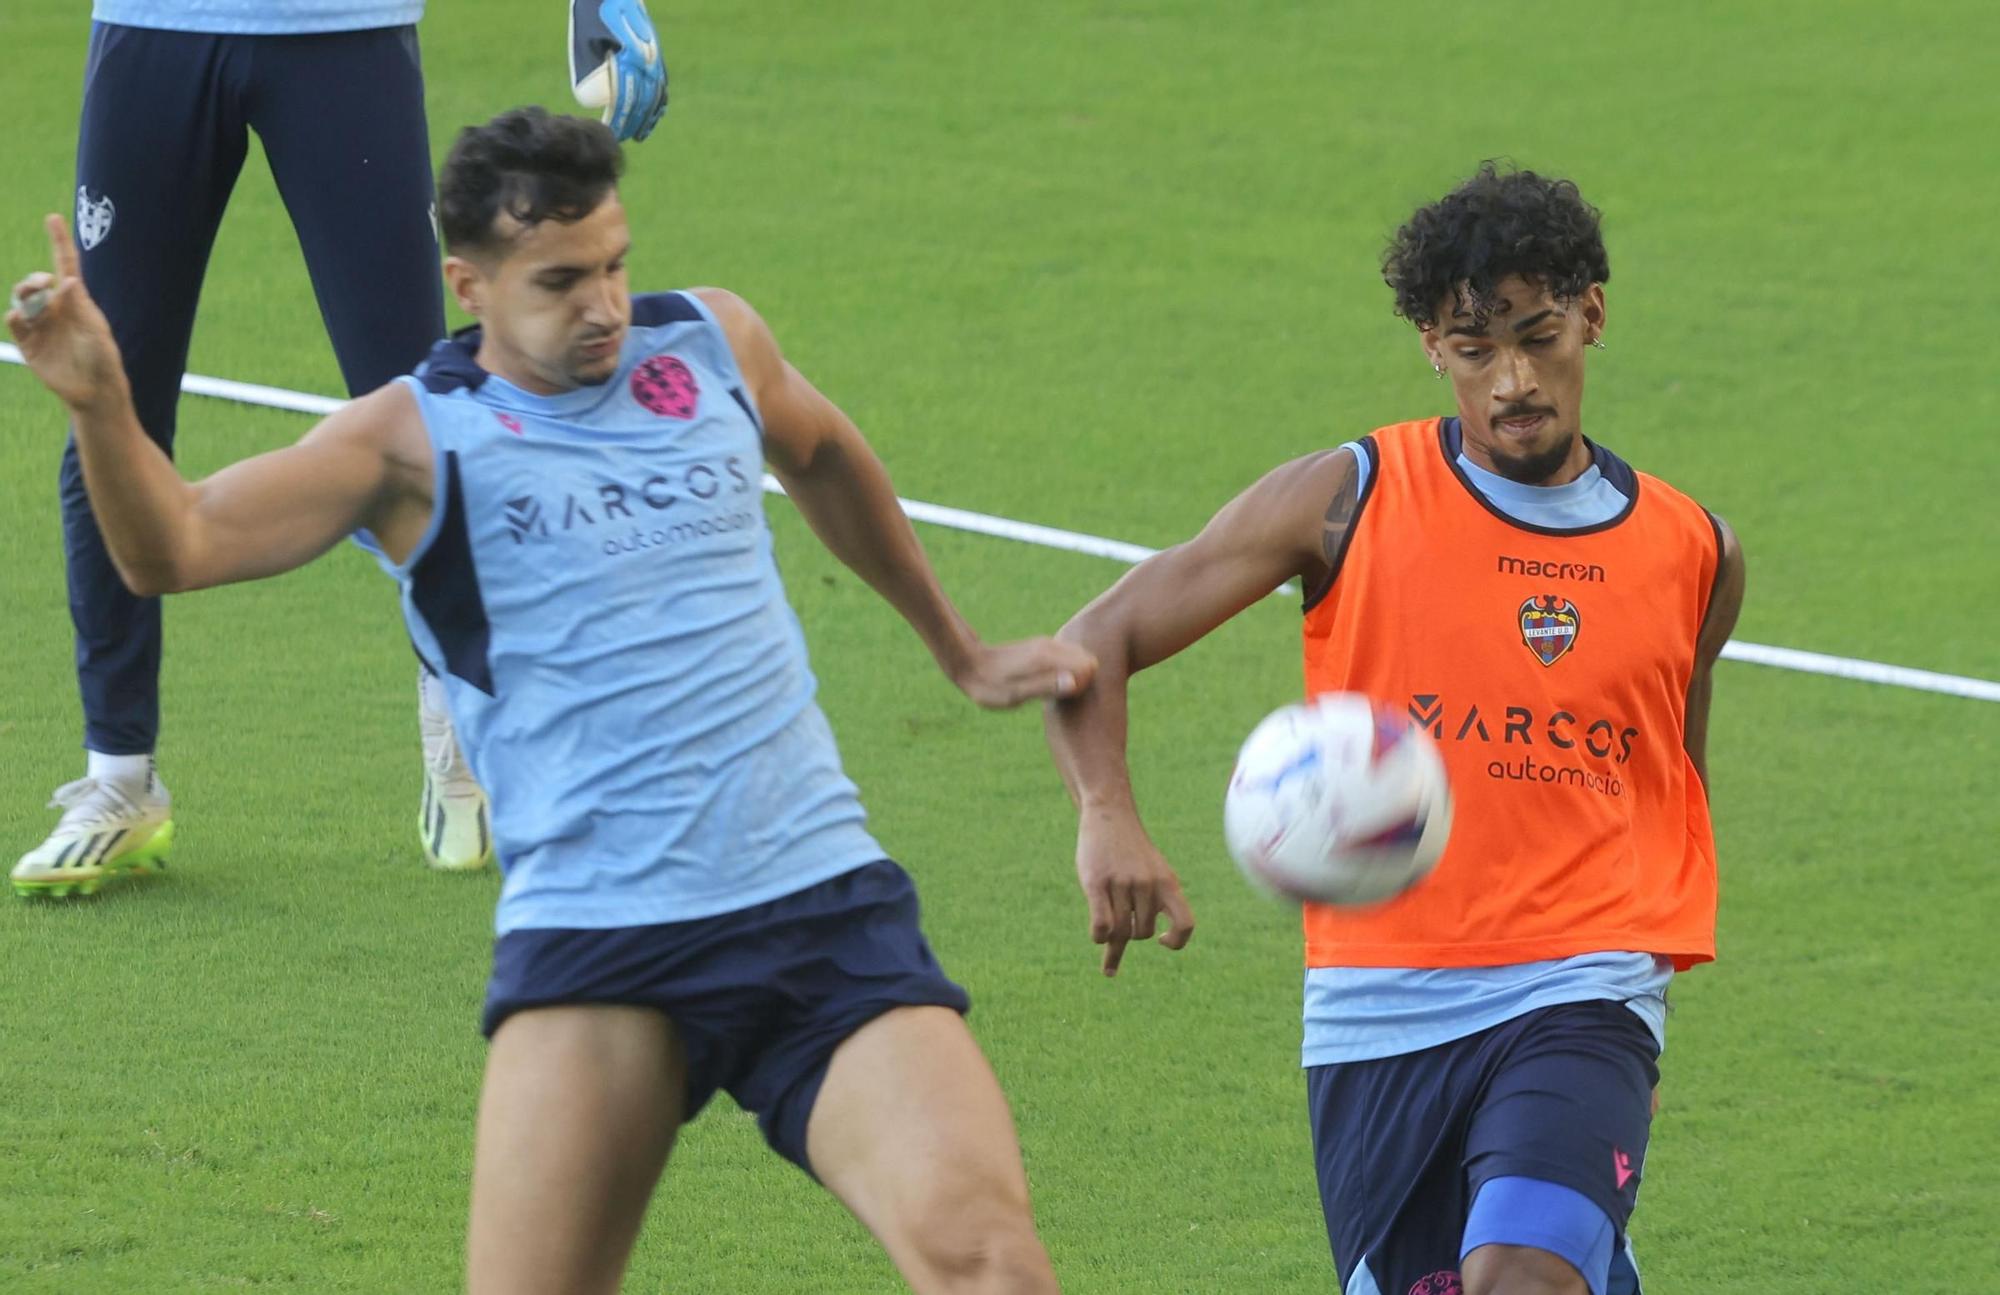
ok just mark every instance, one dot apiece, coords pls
pixel 529 164
pixel 1495 224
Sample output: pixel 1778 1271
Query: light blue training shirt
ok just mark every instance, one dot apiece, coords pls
pixel 597 590
pixel 1360 1013
pixel 259 17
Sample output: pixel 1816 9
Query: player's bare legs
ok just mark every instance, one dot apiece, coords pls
pixel 1519 1270
pixel 580 1108
pixel 911 1132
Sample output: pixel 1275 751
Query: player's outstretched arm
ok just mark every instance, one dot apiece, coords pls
pixel 1291 524
pixel 257 518
pixel 843 491
pixel 1716 627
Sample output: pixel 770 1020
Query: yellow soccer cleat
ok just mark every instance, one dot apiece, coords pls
pixel 108 827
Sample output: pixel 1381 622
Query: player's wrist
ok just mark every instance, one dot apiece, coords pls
pixel 956 649
pixel 1107 804
pixel 106 401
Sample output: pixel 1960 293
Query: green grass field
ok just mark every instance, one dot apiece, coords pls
pixel 1094 264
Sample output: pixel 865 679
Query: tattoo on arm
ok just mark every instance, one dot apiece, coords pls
pixel 1340 513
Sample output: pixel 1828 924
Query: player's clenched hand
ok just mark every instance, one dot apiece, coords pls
pixel 62 334
pixel 1128 884
pixel 999 675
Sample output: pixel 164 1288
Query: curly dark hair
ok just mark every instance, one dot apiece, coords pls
pixel 1495 224
pixel 529 163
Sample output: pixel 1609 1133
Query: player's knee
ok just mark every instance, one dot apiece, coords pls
pixel 988 1247
pixel 1519 1270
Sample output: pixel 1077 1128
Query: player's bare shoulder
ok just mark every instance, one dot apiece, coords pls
pixel 1725 602
pixel 1292 517
pixel 385 429
pixel 387 424
pixel 1731 555
pixel 1337 480
pixel 749 336
pixel 1318 496
pixel 728 307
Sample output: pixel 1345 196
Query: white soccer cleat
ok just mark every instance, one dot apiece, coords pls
pixel 453 822
pixel 108 827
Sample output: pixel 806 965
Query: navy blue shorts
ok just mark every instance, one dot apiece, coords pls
pixel 1403 1144
pixel 760 997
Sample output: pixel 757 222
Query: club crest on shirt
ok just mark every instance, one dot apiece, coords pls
pixel 1549 623
pixel 93 217
pixel 666 386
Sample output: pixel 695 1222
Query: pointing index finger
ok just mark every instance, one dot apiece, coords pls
pixel 61 250
pixel 1114 949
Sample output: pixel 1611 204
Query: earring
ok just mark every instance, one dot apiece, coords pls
pixel 1598 342
pixel 1437 369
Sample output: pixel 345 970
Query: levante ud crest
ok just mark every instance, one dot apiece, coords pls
pixel 93 218
pixel 1548 626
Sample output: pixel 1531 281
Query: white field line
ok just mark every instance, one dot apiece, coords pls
pixel 1048 537
pixel 1782 658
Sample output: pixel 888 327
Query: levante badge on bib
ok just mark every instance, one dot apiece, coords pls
pixel 1548 626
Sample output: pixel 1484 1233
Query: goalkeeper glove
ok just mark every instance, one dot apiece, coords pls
pixel 615 64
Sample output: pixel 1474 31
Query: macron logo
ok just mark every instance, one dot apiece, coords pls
pixel 1622 1166
pixel 1587 572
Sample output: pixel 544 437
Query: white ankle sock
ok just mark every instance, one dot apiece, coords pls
pixel 125 770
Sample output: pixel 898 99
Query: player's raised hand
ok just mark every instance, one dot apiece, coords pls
pixel 1128 884
pixel 615 64
pixel 1002 675
pixel 63 336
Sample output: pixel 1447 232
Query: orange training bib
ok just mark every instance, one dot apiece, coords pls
pixel 1552 670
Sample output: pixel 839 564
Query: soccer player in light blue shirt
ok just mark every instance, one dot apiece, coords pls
pixel 567 497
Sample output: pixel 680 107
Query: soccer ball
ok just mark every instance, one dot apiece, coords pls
pixel 1337 800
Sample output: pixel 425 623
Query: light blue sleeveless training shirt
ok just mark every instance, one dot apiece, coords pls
pixel 597 590
pixel 1360 1013
pixel 259 17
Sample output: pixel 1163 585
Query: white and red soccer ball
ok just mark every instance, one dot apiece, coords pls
pixel 1338 800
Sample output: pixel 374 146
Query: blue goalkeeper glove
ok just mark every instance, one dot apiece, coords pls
pixel 615 64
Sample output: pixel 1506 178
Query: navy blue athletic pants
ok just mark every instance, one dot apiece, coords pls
pixel 166 122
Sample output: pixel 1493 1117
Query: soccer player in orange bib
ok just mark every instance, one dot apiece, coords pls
pixel 1481 1052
